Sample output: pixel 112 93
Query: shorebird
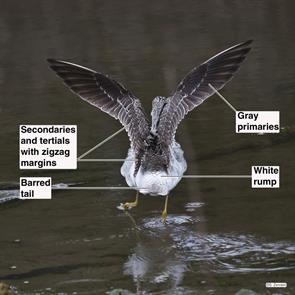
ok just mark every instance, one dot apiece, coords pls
pixel 154 154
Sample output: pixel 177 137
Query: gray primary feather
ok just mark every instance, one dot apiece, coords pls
pixel 107 95
pixel 194 88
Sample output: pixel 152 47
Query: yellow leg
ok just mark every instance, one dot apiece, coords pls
pixel 130 205
pixel 164 213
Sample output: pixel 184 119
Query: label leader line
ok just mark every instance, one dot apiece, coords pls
pixel 210 176
pixel 133 187
pixel 100 143
pixel 104 160
pixel 223 98
pixel 81 158
pixel 95 188
pixel 258 122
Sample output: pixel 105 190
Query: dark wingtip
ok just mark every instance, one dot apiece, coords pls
pixel 249 42
pixel 247 45
pixel 51 60
pixel 243 45
pixel 54 64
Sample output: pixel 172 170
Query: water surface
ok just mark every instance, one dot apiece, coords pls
pixel 222 236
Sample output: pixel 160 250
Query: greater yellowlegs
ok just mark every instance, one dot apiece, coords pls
pixel 157 155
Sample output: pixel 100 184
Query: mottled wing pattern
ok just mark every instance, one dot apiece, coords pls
pixel 107 95
pixel 194 88
pixel 158 105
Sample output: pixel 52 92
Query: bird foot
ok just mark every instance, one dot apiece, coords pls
pixel 164 216
pixel 129 205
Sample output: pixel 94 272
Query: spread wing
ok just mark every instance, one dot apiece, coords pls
pixel 107 95
pixel 194 88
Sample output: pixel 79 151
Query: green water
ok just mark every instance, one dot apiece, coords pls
pixel 222 236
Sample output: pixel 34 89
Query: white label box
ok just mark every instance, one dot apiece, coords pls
pixel 276 285
pixel 35 188
pixel 257 122
pixel 265 176
pixel 48 147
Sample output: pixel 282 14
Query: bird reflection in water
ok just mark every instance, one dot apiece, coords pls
pixel 154 259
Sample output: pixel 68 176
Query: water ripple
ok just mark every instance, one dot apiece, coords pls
pixel 222 252
pixel 236 253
